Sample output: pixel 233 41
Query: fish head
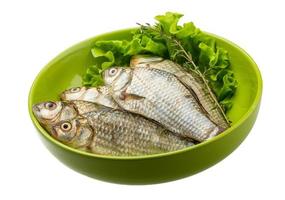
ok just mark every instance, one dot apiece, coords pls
pixel 75 132
pixel 112 74
pixel 117 77
pixel 50 112
pixel 81 93
pixel 74 93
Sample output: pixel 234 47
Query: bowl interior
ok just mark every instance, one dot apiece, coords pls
pixel 67 69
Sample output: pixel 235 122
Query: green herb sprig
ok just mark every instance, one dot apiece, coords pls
pixel 178 52
pixel 184 44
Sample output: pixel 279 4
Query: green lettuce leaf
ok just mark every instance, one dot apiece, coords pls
pixel 212 60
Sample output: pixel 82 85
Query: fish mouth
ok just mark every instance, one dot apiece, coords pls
pixel 36 110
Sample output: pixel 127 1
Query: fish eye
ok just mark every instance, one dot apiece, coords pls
pixel 66 126
pixel 112 71
pixel 76 89
pixel 50 105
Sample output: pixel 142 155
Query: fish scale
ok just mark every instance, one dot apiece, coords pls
pixel 153 93
pixel 191 80
pixel 130 137
pixel 106 131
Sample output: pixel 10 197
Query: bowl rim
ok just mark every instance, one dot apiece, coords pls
pixel 83 153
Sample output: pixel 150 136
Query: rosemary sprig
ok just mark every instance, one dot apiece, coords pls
pixel 181 52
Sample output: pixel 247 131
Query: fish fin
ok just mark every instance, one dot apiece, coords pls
pixel 81 119
pixel 193 94
pixel 126 95
pixel 144 59
pixel 133 97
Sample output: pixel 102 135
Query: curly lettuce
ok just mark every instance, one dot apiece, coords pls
pixel 212 61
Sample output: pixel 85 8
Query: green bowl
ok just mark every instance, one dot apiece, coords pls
pixel 66 71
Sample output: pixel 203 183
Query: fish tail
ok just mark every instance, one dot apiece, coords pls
pixel 217 130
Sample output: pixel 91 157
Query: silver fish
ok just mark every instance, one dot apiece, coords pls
pixel 191 80
pixel 160 96
pixel 107 131
pixel 52 112
pixel 98 95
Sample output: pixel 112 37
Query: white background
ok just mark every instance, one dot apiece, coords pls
pixel 33 32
